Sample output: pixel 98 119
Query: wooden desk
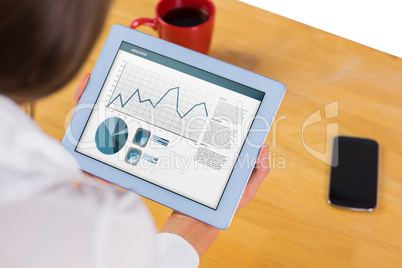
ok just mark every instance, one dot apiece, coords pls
pixel 289 223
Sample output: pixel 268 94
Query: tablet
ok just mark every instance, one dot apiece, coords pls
pixel 173 125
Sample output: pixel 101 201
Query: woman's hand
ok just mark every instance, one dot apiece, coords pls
pixel 260 171
pixel 201 235
pixel 77 96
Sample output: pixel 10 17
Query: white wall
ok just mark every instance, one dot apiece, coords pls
pixel 374 23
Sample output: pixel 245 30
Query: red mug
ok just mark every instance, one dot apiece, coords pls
pixel 188 23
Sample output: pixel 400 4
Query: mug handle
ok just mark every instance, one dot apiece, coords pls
pixel 144 21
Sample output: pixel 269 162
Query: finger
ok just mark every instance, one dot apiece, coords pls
pixel 95 178
pixel 261 168
pixel 260 171
pixel 262 162
pixel 262 156
pixel 81 87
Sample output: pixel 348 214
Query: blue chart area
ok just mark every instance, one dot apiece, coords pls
pixel 133 156
pixel 111 135
pixel 162 101
pixel 141 137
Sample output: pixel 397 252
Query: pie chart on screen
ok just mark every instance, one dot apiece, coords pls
pixel 111 135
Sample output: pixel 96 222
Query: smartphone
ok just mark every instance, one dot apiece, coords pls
pixel 354 173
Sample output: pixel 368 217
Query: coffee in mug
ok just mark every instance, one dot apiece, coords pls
pixel 188 23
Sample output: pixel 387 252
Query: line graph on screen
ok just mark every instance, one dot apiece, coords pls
pixel 137 91
pixel 162 101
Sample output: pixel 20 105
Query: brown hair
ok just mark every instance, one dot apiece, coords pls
pixel 44 42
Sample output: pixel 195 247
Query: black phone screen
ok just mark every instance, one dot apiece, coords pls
pixel 354 173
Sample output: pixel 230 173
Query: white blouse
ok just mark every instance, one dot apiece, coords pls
pixel 46 221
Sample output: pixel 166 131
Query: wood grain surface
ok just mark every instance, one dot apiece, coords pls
pixel 333 86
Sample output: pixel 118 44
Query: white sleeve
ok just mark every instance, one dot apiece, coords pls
pixel 175 251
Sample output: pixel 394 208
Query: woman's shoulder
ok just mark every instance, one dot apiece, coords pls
pixel 27 152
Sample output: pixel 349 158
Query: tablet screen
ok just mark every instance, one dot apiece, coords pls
pixel 169 123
